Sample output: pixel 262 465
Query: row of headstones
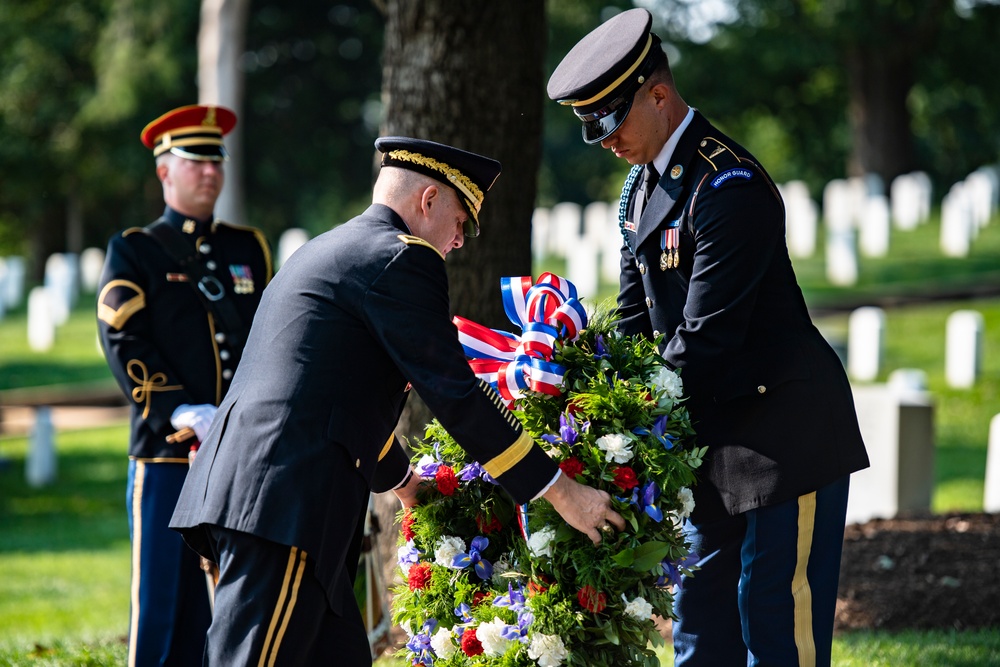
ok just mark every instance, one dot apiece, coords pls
pixel 66 277
pixel 856 212
pixel 897 421
pixel 964 334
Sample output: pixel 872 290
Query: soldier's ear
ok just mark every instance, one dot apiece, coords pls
pixel 162 170
pixel 428 198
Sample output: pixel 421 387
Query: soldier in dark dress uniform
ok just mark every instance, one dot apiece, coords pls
pixel 176 299
pixel 704 265
pixel 278 493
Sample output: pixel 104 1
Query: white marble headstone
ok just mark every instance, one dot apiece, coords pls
pixel 963 348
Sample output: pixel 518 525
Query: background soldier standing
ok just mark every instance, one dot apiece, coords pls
pixel 175 303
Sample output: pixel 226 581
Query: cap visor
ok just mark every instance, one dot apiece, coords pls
pixel 600 129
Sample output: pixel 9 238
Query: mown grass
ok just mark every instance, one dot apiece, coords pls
pixel 64 553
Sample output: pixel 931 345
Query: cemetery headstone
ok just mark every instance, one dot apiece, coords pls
pixel 41 322
pixel 963 348
pixel 865 340
pixel 290 240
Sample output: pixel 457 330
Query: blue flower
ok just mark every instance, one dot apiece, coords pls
pixel 659 426
pixel 482 566
pixel 420 644
pixel 463 612
pixel 672 569
pixel 650 493
pixel 407 554
pixel 602 351
pixel 473 471
pixel 514 599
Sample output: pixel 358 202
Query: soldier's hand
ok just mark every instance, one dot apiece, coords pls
pixel 583 507
pixel 196 417
pixel 407 493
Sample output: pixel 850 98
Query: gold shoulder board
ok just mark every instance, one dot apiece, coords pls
pixel 416 240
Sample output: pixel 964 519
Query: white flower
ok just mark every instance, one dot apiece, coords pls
pixel 499 568
pixel 616 446
pixel 447 548
pixel 667 381
pixel 540 542
pixel 443 643
pixel 489 636
pixel 639 608
pixel 686 498
pixel 547 650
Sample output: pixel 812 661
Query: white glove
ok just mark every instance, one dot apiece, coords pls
pixel 196 417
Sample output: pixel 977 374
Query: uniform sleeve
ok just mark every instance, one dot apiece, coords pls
pixel 124 330
pixel 408 311
pixel 738 227
pixel 393 464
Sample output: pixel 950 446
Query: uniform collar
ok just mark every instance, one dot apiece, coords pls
pixel 662 160
pixel 186 224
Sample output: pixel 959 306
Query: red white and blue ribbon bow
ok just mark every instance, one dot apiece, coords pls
pixel 546 312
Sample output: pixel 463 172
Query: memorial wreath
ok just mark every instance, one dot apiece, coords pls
pixel 487 582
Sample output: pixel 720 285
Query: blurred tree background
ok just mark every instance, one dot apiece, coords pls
pixel 817 89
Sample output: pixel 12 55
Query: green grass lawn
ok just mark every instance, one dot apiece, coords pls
pixel 64 554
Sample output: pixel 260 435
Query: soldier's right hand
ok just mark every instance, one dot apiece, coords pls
pixel 585 508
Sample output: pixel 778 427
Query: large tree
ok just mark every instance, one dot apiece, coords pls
pixel 470 75
pixel 473 79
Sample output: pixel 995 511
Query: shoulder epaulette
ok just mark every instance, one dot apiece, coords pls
pixel 717 154
pixel 259 235
pixel 131 230
pixel 416 240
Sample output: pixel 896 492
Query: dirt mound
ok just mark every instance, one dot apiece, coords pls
pixel 921 572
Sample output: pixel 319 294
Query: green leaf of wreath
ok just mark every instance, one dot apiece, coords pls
pixel 648 555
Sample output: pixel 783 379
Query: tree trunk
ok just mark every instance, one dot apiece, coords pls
pixel 473 79
pixel 221 40
pixel 881 137
pixel 470 75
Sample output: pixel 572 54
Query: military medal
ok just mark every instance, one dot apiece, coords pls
pixel 669 243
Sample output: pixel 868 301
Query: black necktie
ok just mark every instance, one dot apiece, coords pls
pixel 652 178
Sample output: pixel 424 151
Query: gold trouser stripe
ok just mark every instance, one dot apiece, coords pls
pixel 137 482
pixel 801 592
pixel 510 456
pixel 282 612
pixel 386 446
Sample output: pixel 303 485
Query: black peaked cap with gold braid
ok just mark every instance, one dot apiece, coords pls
pixel 470 175
pixel 601 74
pixel 194 132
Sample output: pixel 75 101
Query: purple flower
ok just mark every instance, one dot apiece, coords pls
pixel 474 557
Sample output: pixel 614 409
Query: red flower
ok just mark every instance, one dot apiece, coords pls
pixel 573 409
pixel 571 467
pixel 625 478
pixel 470 644
pixel 591 599
pixel 447 483
pixel 535 588
pixel 419 576
pixel 490 525
pixel 480 596
pixel 407 525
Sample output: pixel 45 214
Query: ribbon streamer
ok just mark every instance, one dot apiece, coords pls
pixel 547 312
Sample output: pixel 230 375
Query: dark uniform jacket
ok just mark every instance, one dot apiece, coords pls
pixel 163 346
pixel 768 395
pixel 307 427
